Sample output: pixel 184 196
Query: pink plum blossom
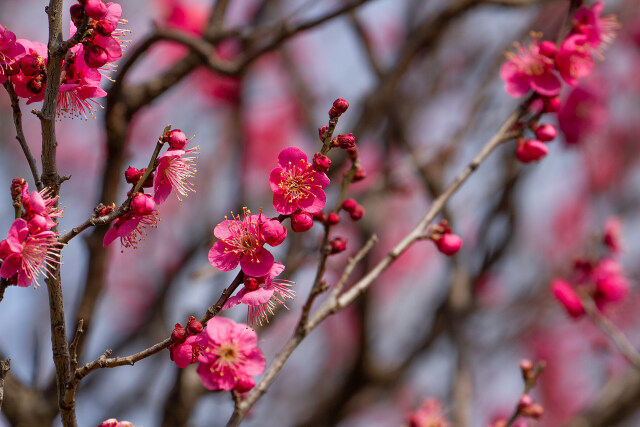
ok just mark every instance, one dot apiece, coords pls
pixel 231 357
pixel 261 295
pixel 296 184
pixel 600 31
pixel 583 112
pixel 26 254
pixel 10 53
pixel 175 168
pixel 611 284
pixel 188 351
pixel 530 69
pixel 574 60
pixel 130 229
pixel 113 422
pixel 40 204
pixel 241 241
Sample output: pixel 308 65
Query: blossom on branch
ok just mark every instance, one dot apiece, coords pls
pixel 231 357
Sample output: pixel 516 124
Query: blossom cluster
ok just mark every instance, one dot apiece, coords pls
pixel 31 247
pixel 542 66
pixel 173 170
pixel 602 279
pixel 226 351
pixel 24 61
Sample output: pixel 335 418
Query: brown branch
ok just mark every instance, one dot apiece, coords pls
pixel 333 305
pixel 5 365
pixel 17 121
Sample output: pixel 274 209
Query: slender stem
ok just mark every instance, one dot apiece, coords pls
pixel 17 121
pixel 5 365
pixel 612 331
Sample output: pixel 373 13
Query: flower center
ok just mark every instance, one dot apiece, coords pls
pixel 297 180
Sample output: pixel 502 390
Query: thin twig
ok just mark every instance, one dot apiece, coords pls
pixel 612 331
pixel 17 121
pixel 4 369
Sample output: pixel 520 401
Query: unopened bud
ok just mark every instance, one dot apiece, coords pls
pixel 339 244
pixel 340 105
pixel 526 366
pixel 142 204
pixel 17 186
pixel 546 132
pixel 77 14
pixel 359 174
pixel 193 326
pixel 548 48
pixel 333 218
pixel 346 141
pixel 349 205
pixel 323 131
pixel 534 411
pixel 179 334
pixel 301 221
pixel 321 162
pixel 551 105
pixel 531 150
pixel 177 139
pixel 29 65
pixel 319 216
pixel 95 56
pixel 95 9
pixel 272 232
pixel 357 213
pixel 353 153
pixel 449 244
pixel 525 401
pixel 132 175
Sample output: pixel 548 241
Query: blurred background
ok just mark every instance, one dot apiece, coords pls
pixel 422 80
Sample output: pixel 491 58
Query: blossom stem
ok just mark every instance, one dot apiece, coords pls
pixel 528 385
pixel 612 331
pixel 326 144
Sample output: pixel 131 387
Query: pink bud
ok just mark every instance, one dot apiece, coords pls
pixel 551 105
pixel 526 366
pixel 77 14
pixel 323 131
pixel 177 139
pixel 449 244
pixel 359 174
pixel 142 204
pixel 525 401
pixel 193 326
pixel 531 150
pixel 17 186
pixel 613 234
pixel 533 411
pixel 339 244
pixel 95 9
pixel 546 133
pixel 333 218
pixel 353 153
pixel 149 181
pixel 251 283
pixel 273 232
pixel 340 105
pixel 357 212
pixel 321 162
pixel 179 334
pixel 132 175
pixel 349 205
pixel 548 48
pixel 565 294
pixel 319 216
pixel 37 224
pixel 301 221
pixel 105 28
pixel 29 65
pixel 95 56
pixel 346 141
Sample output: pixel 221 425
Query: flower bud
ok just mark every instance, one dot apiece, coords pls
pixel 29 65
pixel 333 218
pixel 95 56
pixel 177 139
pixel 17 186
pixel 346 141
pixel 193 326
pixel 534 411
pixel 568 297
pixel 132 175
pixel 273 232
pixel 301 221
pixel 340 105
pixel 548 48
pixel 349 205
pixel 319 216
pixel 101 210
pixel 531 150
pixel 149 181
pixel 77 14
pixel 546 133
pixel 449 244
pixel 179 334
pixel 95 9
pixel 323 131
pixel 142 204
pixel 551 105
pixel 359 174
pixel 526 366
pixel 353 153
pixel 357 212
pixel 339 244
pixel 525 401
pixel 321 162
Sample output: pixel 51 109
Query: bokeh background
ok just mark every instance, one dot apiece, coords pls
pixel 423 84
